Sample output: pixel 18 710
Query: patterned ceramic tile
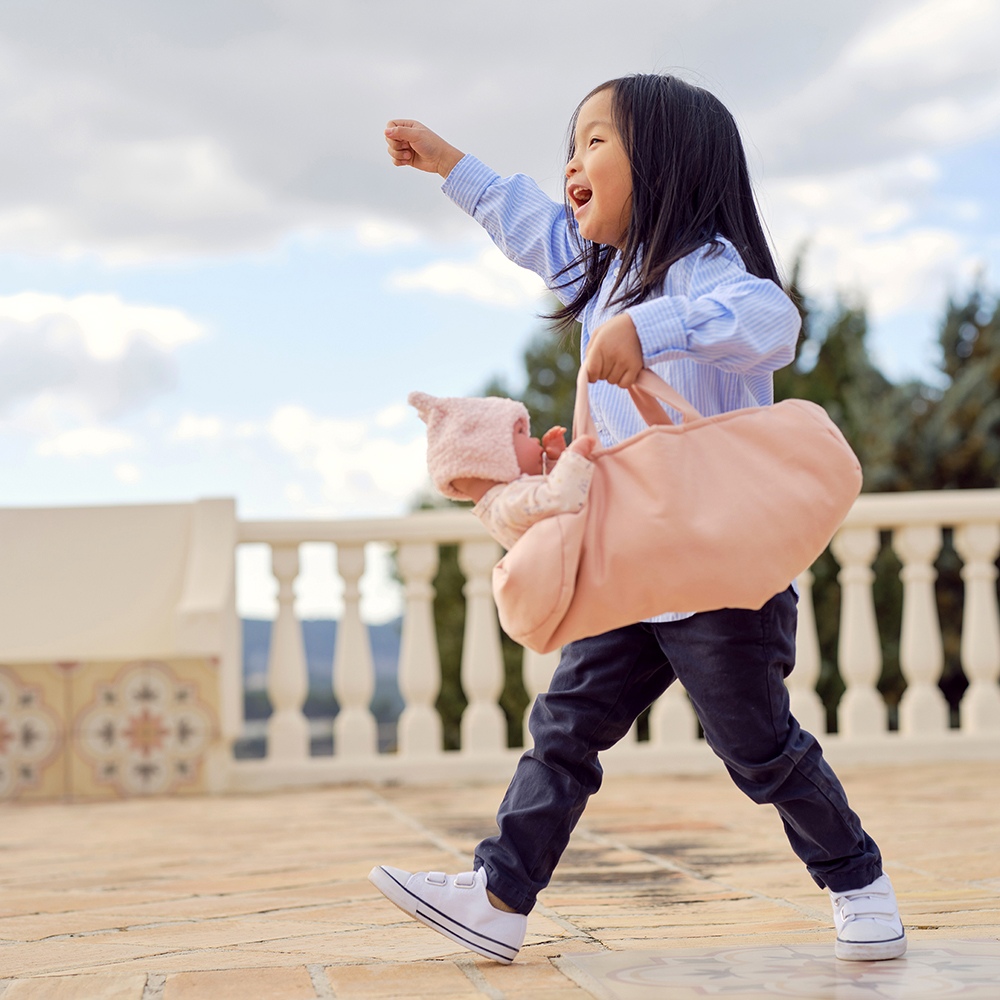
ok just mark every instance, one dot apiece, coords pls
pixel 31 732
pixel 138 728
pixel 142 728
pixel 929 969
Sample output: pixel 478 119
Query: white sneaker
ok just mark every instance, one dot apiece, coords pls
pixel 457 907
pixel 868 924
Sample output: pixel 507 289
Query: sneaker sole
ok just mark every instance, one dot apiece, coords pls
pixel 870 951
pixel 413 906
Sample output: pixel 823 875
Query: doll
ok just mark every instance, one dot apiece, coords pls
pixel 479 449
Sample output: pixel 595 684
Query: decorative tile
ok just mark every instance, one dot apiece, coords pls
pixel 142 728
pixel 31 732
pixel 942 968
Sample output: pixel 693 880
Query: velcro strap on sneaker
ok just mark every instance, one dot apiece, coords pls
pixel 466 880
pixel 437 878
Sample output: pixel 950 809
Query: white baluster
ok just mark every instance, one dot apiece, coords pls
pixel 978 545
pixel 537 670
pixel 419 728
pixel 923 708
pixel 484 728
pixel 287 679
pixel 672 719
pixel 355 732
pixel 862 709
pixel 805 703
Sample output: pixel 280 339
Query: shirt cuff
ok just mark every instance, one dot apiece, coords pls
pixel 467 181
pixel 660 326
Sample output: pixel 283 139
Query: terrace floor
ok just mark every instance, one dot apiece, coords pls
pixel 265 897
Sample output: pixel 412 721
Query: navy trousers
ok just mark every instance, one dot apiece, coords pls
pixel 733 664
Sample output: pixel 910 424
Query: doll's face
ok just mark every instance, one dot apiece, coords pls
pixel 528 451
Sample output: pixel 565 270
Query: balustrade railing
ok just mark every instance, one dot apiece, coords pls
pixel 915 521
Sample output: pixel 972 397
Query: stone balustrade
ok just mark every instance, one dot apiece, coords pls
pixel 916 522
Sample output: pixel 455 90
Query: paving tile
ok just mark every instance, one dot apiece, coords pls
pixel 291 983
pixel 79 954
pixel 425 979
pixel 99 987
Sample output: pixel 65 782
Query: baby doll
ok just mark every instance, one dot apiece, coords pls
pixel 479 449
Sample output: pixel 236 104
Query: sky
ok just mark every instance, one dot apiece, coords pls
pixel 214 283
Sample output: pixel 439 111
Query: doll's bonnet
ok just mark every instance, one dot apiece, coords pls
pixel 469 438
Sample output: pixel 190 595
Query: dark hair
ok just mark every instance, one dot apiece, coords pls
pixel 690 185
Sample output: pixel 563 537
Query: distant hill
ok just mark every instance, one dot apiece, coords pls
pixel 319 638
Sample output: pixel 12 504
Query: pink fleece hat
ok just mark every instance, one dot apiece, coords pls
pixel 470 438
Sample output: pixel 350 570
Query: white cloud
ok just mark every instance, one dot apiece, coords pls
pixel 362 471
pixel 910 271
pixel 491 278
pixel 192 427
pixel 381 234
pixel 78 361
pixel 126 472
pixel 392 416
pixel 87 441
pixel 106 324
pixel 862 233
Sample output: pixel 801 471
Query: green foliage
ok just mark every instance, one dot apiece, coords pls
pixel 908 436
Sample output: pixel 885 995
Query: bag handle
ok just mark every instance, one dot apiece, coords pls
pixel 647 388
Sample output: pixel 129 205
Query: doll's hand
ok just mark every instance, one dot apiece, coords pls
pixel 414 145
pixel 554 443
pixel 614 352
pixel 583 446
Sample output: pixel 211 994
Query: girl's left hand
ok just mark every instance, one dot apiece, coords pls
pixel 614 352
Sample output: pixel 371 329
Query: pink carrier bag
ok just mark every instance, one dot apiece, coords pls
pixel 714 512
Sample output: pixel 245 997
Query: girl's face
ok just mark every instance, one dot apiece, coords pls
pixel 528 451
pixel 598 177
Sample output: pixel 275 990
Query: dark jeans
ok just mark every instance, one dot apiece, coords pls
pixel 733 664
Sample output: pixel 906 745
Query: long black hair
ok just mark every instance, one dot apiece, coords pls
pixel 690 185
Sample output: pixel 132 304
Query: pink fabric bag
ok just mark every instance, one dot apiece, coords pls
pixel 715 512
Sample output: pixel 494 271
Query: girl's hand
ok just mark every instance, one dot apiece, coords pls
pixel 614 352
pixel 584 446
pixel 414 145
pixel 554 442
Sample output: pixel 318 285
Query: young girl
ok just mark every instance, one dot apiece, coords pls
pixel 479 449
pixel 660 254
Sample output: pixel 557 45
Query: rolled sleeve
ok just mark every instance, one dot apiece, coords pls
pixel 745 324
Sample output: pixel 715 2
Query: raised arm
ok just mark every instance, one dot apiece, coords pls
pixel 528 226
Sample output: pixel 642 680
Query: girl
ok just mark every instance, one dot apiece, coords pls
pixel 660 254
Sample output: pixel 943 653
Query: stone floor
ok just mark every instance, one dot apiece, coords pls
pixel 265 897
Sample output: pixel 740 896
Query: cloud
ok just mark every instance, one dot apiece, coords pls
pixel 918 76
pixel 192 427
pixel 362 469
pixel 227 126
pixel 491 278
pixel 92 442
pixel 85 359
pixel 863 235
pixel 107 325
pixel 126 472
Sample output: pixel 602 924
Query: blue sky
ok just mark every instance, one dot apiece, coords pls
pixel 212 281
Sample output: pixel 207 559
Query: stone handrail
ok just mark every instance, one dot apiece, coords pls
pixel 916 521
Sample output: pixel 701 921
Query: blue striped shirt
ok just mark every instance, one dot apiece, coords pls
pixel 715 333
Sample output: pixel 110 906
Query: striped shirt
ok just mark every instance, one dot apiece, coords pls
pixel 715 333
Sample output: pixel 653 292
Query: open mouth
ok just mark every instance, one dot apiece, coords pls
pixel 578 195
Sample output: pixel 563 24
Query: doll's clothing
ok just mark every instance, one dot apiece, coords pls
pixel 509 509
